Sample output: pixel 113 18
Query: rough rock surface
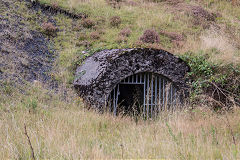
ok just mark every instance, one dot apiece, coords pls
pixel 100 73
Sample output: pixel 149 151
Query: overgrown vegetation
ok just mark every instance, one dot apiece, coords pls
pixel 220 82
pixel 61 129
pixel 59 126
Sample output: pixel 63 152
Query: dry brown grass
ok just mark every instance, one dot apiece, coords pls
pixel 63 129
pixel 217 39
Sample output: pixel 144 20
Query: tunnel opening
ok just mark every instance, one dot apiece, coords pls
pixel 144 94
pixel 131 98
pixel 111 80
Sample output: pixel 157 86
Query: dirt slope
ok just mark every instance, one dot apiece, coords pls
pixel 25 52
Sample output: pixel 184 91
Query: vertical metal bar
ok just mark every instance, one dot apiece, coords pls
pixel 167 95
pixel 171 95
pixel 128 79
pixel 175 96
pixel 163 93
pixel 147 95
pixel 115 109
pixel 105 104
pixel 152 94
pixel 144 95
pixel 159 92
pixel 114 105
pixel 155 106
pixel 136 78
pixel 141 78
pixel 110 102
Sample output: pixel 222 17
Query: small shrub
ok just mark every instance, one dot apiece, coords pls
pixel 138 44
pixel 32 105
pixel 49 28
pixel 85 43
pixel 217 81
pixel 82 36
pixel 55 5
pixel 7 88
pixel 100 20
pixel 94 35
pixel 101 31
pixel 154 45
pixel 121 39
pixel 125 32
pixel 150 36
pixel 88 23
pixel 115 3
pixel 115 21
pixel 131 3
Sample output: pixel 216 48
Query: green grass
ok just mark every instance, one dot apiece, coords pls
pixel 145 15
pixel 60 127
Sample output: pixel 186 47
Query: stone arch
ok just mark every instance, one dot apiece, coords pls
pixel 101 72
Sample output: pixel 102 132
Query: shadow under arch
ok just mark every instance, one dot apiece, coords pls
pixel 144 93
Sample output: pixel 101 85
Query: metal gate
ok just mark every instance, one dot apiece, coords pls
pixel 159 94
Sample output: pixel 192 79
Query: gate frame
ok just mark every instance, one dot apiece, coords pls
pixel 156 95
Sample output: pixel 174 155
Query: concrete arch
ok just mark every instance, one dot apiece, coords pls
pixel 101 72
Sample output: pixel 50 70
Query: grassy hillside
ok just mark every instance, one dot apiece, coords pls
pixel 204 33
pixel 208 29
pixel 62 129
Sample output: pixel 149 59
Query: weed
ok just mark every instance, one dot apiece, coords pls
pixel 121 39
pixel 88 23
pixel 94 35
pixel 49 28
pixel 115 21
pixel 82 36
pixel 55 5
pixel 7 88
pixel 84 43
pixel 126 32
pixel 207 80
pixel 150 36
pixel 213 133
pixel 172 134
pixel 114 3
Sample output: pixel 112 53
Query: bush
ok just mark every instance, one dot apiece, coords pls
pixel 88 23
pixel 94 35
pixel 121 39
pixel 114 3
pixel 214 80
pixel 55 5
pixel 115 21
pixel 49 28
pixel 150 36
pixel 82 36
pixel 125 32
pixel 85 43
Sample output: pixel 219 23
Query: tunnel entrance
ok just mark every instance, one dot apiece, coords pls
pixel 143 93
pixel 131 98
pixel 145 80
